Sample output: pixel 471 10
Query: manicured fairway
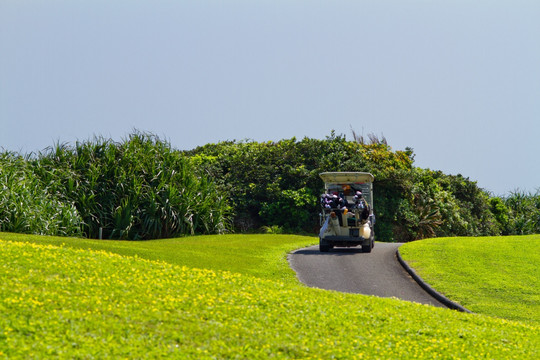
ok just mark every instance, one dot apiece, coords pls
pixel 497 276
pixel 61 302
pixel 259 255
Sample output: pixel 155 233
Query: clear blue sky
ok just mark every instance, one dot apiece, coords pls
pixel 458 81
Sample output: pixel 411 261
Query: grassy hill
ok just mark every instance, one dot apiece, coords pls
pixel 497 276
pixel 73 298
pixel 263 256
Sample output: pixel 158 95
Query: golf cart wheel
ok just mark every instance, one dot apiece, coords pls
pixel 367 248
pixel 324 246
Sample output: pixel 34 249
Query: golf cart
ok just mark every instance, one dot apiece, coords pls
pixel 347 217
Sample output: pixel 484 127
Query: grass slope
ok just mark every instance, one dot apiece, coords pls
pixel 61 302
pixel 498 276
pixel 259 255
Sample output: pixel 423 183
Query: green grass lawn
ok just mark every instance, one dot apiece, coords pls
pixel 74 298
pixel 259 255
pixel 498 276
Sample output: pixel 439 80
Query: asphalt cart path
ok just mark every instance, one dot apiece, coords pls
pixel 350 270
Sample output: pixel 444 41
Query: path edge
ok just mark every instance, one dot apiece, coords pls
pixel 440 297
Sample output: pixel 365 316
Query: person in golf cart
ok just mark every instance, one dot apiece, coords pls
pixel 348 199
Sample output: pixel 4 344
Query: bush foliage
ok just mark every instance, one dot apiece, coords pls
pixel 278 184
pixel 26 205
pixel 137 189
pixel 517 213
pixel 142 188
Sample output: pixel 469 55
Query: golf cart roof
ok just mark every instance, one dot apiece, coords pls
pixel 346 177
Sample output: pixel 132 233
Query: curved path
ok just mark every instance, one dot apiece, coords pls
pixel 349 270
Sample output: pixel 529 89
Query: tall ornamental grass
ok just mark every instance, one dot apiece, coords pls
pixel 26 206
pixel 139 188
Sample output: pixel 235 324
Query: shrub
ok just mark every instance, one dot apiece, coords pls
pixel 27 205
pixel 290 209
pixel 523 213
pixel 277 183
pixel 137 189
pixel 141 188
